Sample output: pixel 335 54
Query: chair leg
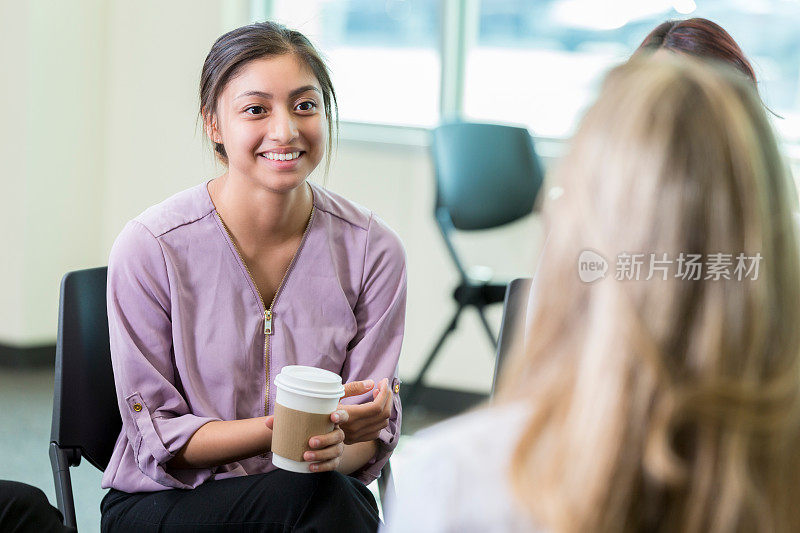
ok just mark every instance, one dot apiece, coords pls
pixel 487 328
pixel 386 488
pixel 63 482
pixel 414 388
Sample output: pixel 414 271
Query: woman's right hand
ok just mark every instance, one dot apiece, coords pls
pixel 326 450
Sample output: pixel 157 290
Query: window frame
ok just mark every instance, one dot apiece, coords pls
pixel 453 44
pixel 459 29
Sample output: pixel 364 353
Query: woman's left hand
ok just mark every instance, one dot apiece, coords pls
pixel 366 420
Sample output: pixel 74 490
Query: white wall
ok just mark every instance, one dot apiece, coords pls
pixel 154 143
pixel 14 71
pixel 64 152
pixel 51 105
pixel 110 111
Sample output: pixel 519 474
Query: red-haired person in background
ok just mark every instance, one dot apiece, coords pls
pixel 709 41
pixel 701 38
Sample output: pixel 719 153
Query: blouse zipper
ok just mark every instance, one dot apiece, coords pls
pixel 268 316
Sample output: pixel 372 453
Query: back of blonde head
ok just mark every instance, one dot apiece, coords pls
pixel 665 405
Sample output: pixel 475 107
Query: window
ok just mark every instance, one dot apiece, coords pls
pixel 383 55
pixel 539 63
pixel 532 62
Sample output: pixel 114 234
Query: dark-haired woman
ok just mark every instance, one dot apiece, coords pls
pixel 214 290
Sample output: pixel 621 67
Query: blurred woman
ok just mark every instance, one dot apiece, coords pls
pixel 659 401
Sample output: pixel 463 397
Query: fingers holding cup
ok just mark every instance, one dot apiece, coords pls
pixel 326 451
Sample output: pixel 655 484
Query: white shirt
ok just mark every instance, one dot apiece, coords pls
pixel 454 476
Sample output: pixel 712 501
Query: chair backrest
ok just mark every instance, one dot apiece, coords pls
pixel 486 174
pixel 85 411
pixel 512 327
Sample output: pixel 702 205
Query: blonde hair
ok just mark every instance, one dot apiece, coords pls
pixel 665 405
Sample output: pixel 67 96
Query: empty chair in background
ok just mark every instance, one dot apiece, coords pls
pixel 487 175
pixel 662 401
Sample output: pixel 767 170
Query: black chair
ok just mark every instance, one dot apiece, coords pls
pixel 512 328
pixel 487 175
pixel 86 419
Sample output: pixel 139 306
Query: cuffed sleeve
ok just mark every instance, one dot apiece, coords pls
pixel 156 418
pixel 380 315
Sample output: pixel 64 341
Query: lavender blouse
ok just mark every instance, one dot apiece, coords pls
pixel 191 340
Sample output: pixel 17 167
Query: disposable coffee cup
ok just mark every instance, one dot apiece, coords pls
pixel 304 400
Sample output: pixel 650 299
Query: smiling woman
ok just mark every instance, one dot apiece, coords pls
pixel 212 292
pixel 224 62
pixel 276 136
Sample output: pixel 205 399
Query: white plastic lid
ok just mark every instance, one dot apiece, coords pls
pixel 310 381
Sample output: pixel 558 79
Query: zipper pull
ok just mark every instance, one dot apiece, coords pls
pixel 267 322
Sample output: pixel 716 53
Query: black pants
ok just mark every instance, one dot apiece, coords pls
pixel 24 509
pixel 278 501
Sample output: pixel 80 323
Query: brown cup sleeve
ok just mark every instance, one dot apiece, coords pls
pixel 292 429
